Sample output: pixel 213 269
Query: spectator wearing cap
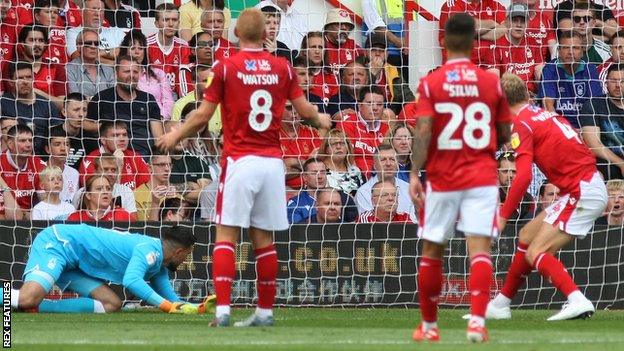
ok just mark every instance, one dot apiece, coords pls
pixel 213 22
pixel 354 76
pixel 606 23
pixel 595 51
pixel 304 78
pixel 506 174
pixel 294 25
pixel 386 75
pixel 118 14
pixel 81 142
pixel 191 16
pixel 271 44
pixel 328 207
pixel 385 204
pixel 515 52
pixel 617 56
pixel 602 125
pixel 323 80
pixel 339 48
pixel 85 74
pixel 202 77
pixel 568 81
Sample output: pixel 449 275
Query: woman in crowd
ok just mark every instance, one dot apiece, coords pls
pixel 191 12
pixel 337 153
pixel 152 80
pixel 400 138
pixel 98 203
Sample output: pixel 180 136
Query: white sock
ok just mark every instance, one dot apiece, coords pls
pixel 264 312
pixel 480 321
pixel 14 298
pixel 576 297
pixel 222 310
pixel 501 301
pixel 98 307
pixel 427 325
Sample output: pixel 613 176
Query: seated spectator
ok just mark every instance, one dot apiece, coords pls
pixel 304 79
pixel 213 22
pixel 400 138
pixel 337 154
pixel 298 143
pixel 5 124
pixel 201 48
pixel 124 102
pixel 166 51
pixel 208 196
pixel 614 213
pixel 98 204
pixel 49 78
pixel 152 80
pixel 150 195
pixel 323 82
pixel 109 37
pixel 202 76
pixel 489 16
pixel 339 48
pixel 617 56
pixel 85 74
pixel 515 52
pixel 602 126
pixel 294 24
pixel 271 44
pixel 548 194
pixel 51 207
pixel 407 114
pixel 606 23
pixel 541 29
pixel 191 13
pixel 353 77
pixel 506 174
pixel 302 206
pixel 385 203
pixel 384 75
pixel 123 196
pixel 28 107
pixel 8 33
pixel 114 140
pixel 81 142
pixel 595 51
pixel 328 207
pixel 118 14
pixel 20 168
pixel 365 129
pixel 58 148
pixel 173 209
pixel 386 167
pixel 46 14
pixel 568 82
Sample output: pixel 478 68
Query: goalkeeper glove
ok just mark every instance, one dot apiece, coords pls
pixel 179 307
pixel 208 305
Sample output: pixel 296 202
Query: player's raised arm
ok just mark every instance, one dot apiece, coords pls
pixel 197 120
pixel 310 112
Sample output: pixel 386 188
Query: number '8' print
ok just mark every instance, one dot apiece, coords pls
pixel 260 116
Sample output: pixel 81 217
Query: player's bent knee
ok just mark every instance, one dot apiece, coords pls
pixel 112 306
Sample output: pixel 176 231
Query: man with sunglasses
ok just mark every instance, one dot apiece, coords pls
pixel 583 22
pixel 606 24
pixel 85 74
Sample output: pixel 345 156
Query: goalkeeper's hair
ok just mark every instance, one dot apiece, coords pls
pixel 459 33
pixel 515 89
pixel 179 236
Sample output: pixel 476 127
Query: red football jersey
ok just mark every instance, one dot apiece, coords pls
pixel 257 85
pixel 408 112
pixel 541 29
pixel 603 69
pixel 23 182
pixel 364 140
pixel 301 147
pixel 170 61
pixel 481 10
pixel 324 85
pixel 70 15
pixel 465 102
pixel 223 49
pixel 115 215
pixel 338 56
pixel 134 172
pixel 369 217
pixel 549 141
pixel 57 48
pixel 51 78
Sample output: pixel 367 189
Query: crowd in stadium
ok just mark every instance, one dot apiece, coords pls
pixel 85 92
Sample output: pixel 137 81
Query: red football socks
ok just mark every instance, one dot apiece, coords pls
pixel 479 284
pixel 517 273
pixel 266 271
pixel 552 269
pixel 223 271
pixel 429 288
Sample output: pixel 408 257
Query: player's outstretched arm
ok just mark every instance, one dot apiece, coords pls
pixel 197 120
pixel 309 112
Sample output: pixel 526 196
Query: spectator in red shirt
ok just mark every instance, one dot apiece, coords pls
pixel 617 56
pixel 8 35
pixel 541 29
pixel 305 82
pixel 366 128
pixel 114 139
pixel 46 14
pixel 5 124
pixel 97 203
pixel 339 49
pixel 385 203
pixel 323 81
pixel 20 167
pixel 69 14
pixel 213 22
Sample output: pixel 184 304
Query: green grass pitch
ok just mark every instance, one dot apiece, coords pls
pixel 310 329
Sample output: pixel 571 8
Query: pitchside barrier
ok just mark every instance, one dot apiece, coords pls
pixel 362 265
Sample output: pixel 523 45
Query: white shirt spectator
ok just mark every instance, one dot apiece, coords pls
pixel 126 194
pixel 110 38
pixel 71 184
pixel 364 201
pixel 293 27
pixel 47 211
pixel 371 17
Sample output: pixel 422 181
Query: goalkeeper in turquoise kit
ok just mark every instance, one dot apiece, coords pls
pixel 83 259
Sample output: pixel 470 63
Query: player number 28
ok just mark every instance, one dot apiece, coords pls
pixel 263 110
pixel 446 141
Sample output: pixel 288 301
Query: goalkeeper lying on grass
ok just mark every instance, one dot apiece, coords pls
pixel 82 259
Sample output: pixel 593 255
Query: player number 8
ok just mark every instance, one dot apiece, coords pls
pixel 264 110
pixel 445 140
